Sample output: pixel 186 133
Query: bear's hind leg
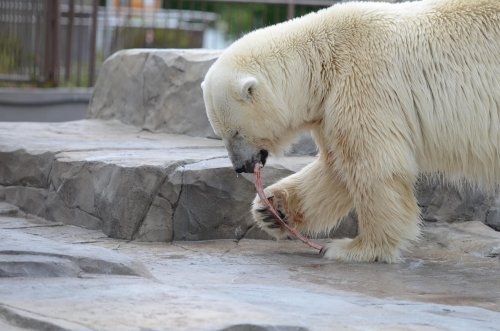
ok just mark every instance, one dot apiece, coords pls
pixel 388 220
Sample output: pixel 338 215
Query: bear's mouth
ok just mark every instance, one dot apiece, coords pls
pixel 263 156
pixel 248 166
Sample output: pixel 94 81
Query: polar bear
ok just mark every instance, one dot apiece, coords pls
pixel 387 90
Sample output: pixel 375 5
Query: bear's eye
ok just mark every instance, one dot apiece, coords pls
pixel 236 133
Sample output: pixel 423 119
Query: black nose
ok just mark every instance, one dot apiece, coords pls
pixel 263 156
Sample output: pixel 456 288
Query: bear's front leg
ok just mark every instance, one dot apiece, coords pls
pixel 313 201
pixel 388 220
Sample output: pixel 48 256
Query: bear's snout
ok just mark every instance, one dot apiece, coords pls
pixel 244 155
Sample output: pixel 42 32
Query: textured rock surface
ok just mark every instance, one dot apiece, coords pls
pixel 27 255
pixel 67 278
pixel 158 90
pixel 443 202
pixel 130 183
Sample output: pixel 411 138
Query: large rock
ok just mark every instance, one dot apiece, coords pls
pixel 80 173
pixel 206 187
pixel 157 90
pixel 129 183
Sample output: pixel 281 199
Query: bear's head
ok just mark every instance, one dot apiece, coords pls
pixel 247 111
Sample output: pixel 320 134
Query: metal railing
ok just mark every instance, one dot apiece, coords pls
pixel 21 24
pixel 63 42
pixel 48 42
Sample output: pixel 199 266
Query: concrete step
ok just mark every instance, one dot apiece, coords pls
pixel 130 183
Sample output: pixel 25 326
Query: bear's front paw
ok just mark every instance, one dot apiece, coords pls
pixel 265 219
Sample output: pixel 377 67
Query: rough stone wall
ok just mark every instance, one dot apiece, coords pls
pixel 130 183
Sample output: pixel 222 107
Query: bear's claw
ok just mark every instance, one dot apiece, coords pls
pixel 262 210
pixel 266 219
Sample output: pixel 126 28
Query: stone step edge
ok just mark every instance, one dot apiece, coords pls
pixel 170 204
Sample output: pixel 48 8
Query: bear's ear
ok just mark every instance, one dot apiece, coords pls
pixel 247 87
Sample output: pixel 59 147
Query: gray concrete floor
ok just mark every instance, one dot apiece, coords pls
pixel 67 278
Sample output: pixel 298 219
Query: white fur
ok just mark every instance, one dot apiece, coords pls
pixel 388 90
